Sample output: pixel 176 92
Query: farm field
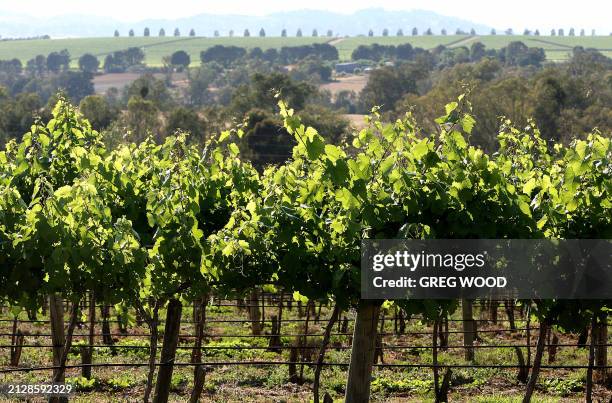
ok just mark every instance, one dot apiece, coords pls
pixel 557 48
pixel 354 83
pixel 232 351
pixel 155 48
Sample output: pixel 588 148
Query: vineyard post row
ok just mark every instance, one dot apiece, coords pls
pixel 77 219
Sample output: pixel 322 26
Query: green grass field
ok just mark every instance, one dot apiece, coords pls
pixel 155 48
pixel 557 48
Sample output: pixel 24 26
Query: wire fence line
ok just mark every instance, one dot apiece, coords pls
pixel 385 320
pixel 288 347
pixel 311 363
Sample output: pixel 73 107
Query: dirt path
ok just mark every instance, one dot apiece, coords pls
pixel 461 42
pixel 335 41
pixel 551 43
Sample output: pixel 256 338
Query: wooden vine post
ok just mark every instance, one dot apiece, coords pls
pixel 199 372
pixel 469 329
pixel 363 352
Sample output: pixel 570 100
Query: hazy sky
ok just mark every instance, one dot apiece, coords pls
pixel 518 14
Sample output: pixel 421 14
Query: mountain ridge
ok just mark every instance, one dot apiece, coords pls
pixel 357 23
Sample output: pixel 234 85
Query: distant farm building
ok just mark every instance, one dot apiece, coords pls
pixel 348 68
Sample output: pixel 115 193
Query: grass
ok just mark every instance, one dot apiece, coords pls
pixel 155 48
pixel 557 48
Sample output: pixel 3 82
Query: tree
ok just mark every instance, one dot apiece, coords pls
pixel 443 31
pixel 582 33
pixel 177 32
pixel 526 32
pixel 58 61
pixel 98 111
pixel 553 32
pixel 256 53
pixel 200 80
pixel 330 33
pixel 509 31
pixel 116 33
pixel 415 31
pixel 225 55
pixel 132 56
pixel 400 32
pixel 162 32
pixel 261 91
pixel 152 89
pixel 13 66
pixel 388 85
pixel 17 115
pixel 284 33
pixel 299 33
pixel 147 32
pixel 37 66
pixel 315 33
pixel 270 55
pixel 192 32
pixel 262 33
pixel 131 33
pixel 231 33
pixel 518 54
pixel 472 32
pixel 216 33
pixel 385 32
pixel 537 32
pixel 89 63
pixel 405 51
pixel 180 59
pixel 571 32
pixel 246 33
pixel 76 85
pixel 477 51
pixel 429 32
pixel 370 33
pixel 493 31
pixel 549 97
pixel 561 32
pixel 183 119
pixel 141 118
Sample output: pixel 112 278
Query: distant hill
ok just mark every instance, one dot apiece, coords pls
pixel 359 23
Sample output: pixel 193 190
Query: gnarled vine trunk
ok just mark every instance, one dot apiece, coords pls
pixel 537 361
pixel 171 336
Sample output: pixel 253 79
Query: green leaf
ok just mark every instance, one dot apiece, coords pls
pixel 420 149
pixel 458 139
pixel 529 186
pixel 333 152
pixel 524 208
pixel 224 134
pixel 315 148
pixel 450 107
pixel 542 222
pixel 467 123
pixel 234 150
pixel 347 199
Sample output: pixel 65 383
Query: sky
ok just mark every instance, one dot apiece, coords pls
pixel 518 14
